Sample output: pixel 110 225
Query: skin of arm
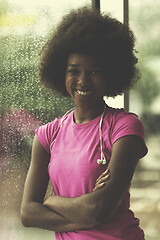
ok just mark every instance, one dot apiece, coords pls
pixel 97 207
pixel 33 212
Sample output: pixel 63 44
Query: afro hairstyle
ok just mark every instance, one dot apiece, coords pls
pixel 87 31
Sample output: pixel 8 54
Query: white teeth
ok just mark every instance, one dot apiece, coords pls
pixel 83 93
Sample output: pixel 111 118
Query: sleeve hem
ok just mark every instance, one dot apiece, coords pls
pixel 41 142
pixel 145 149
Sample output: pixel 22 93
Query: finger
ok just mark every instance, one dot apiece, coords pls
pixel 103 179
pixel 98 186
pixel 103 174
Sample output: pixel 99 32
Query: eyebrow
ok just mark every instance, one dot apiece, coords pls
pixel 72 65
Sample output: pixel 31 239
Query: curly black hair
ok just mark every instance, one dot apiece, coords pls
pixel 87 31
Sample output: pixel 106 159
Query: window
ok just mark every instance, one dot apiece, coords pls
pixel 24 28
pixel 145 101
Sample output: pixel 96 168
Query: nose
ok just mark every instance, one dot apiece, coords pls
pixel 83 78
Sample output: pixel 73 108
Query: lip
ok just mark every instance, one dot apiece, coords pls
pixel 83 92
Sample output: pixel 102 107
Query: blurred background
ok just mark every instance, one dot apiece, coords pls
pixel 24 105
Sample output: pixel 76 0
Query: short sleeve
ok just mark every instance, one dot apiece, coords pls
pixel 128 124
pixel 46 134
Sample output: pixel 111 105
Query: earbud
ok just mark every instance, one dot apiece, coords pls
pixel 101 161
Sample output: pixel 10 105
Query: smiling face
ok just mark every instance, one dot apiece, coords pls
pixel 84 80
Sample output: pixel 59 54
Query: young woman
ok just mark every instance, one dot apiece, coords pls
pixel 90 153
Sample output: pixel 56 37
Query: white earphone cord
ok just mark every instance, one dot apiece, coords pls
pixel 103 159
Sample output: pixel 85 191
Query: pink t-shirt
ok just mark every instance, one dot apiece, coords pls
pixel 73 168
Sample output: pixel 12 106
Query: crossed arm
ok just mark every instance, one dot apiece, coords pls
pixel 63 214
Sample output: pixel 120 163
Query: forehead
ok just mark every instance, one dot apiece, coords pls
pixel 81 59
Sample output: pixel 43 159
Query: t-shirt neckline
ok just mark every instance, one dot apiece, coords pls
pixel 90 123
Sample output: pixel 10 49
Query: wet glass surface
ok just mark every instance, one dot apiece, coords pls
pixel 24 28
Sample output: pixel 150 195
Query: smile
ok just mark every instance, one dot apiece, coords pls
pixel 83 93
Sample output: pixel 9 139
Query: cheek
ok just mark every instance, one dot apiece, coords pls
pixel 68 84
pixel 66 81
pixel 101 84
pixel 67 88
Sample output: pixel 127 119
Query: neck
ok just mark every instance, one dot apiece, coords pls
pixel 86 114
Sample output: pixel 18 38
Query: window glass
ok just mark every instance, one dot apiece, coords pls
pixel 115 8
pixel 24 105
pixel 145 101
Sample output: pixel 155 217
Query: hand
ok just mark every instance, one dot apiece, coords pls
pixel 100 182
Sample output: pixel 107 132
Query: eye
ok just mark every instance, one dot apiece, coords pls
pixel 95 72
pixel 73 71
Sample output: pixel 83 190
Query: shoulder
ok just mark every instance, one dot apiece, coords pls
pixel 118 118
pixel 47 133
pixel 48 128
pixel 128 121
pixel 122 124
pixel 119 113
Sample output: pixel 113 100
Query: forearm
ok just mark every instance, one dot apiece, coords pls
pixel 78 209
pixel 38 215
pixel 88 208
